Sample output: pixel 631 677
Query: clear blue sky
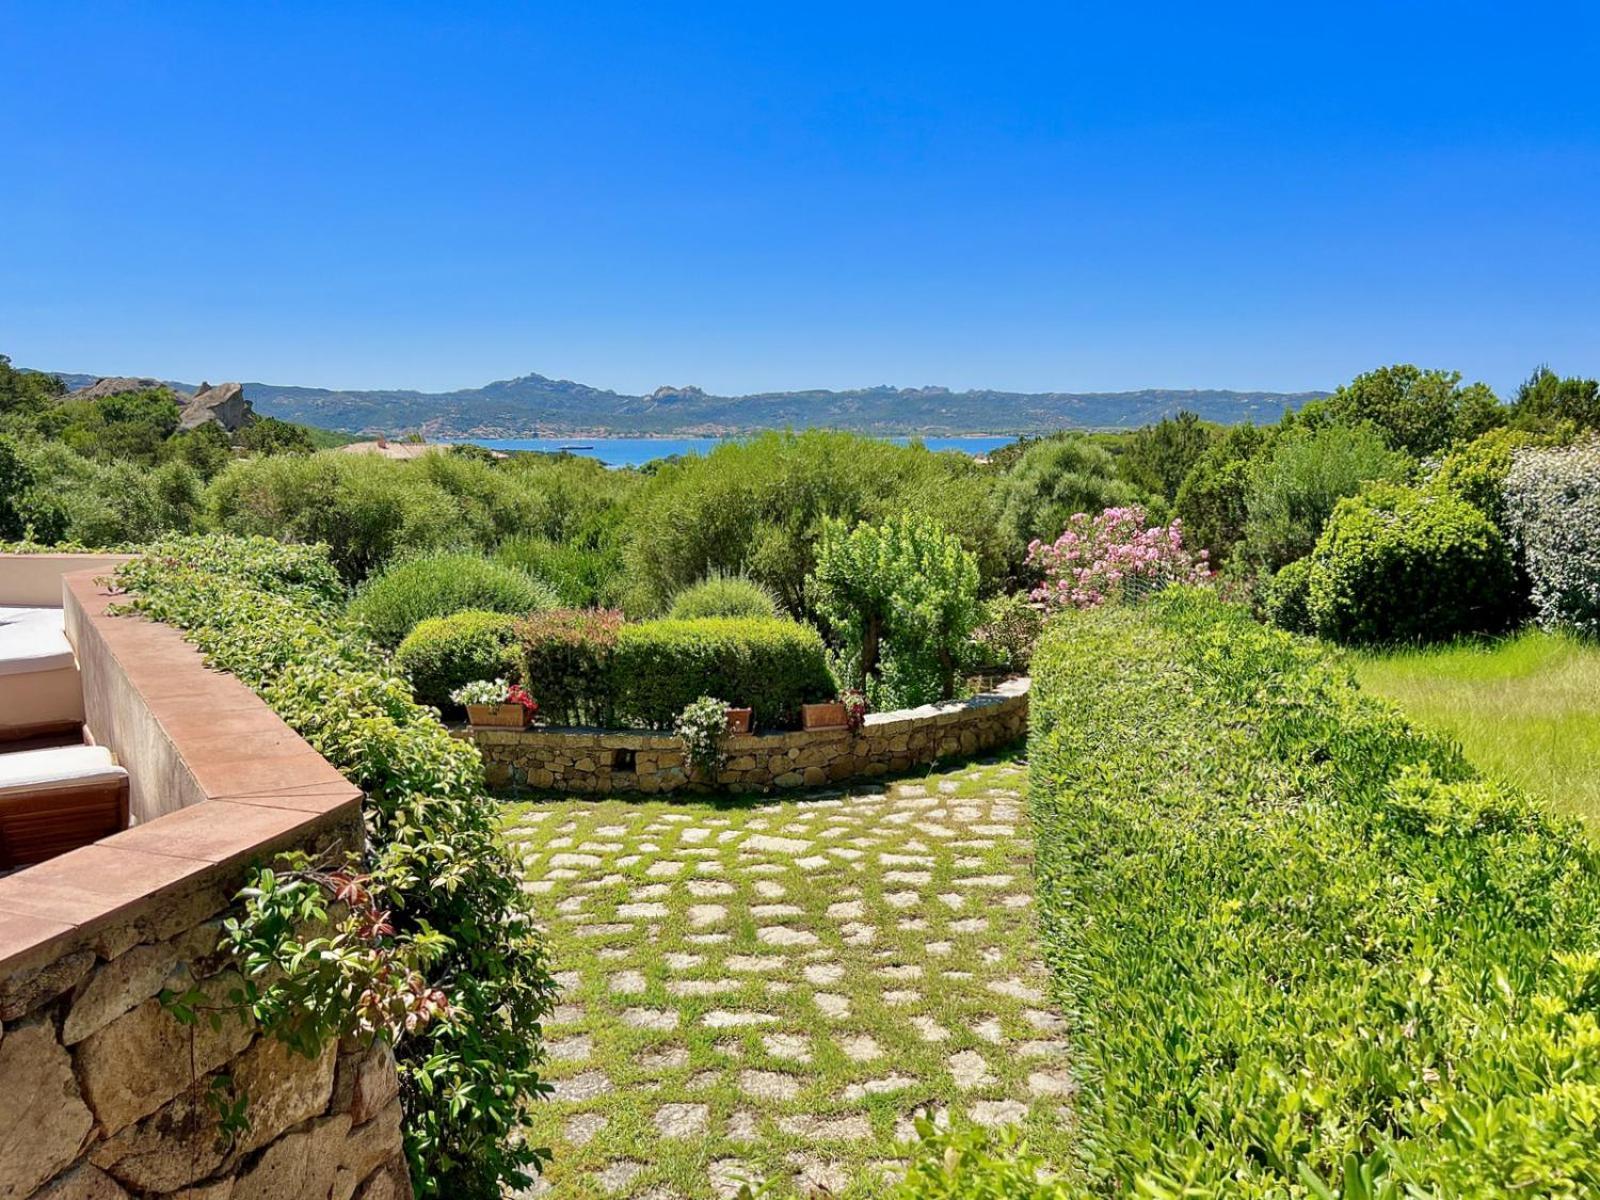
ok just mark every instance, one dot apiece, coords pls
pixel 753 196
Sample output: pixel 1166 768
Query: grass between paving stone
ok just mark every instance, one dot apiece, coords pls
pixel 797 1121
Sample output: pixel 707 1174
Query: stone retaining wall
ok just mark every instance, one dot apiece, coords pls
pixel 601 760
pixel 104 1093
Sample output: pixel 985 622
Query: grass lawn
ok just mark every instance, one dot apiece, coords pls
pixel 768 990
pixel 1526 708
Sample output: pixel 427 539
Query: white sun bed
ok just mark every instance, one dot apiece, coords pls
pixel 39 687
pixel 52 801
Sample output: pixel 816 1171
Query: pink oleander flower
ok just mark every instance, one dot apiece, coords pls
pixel 1110 557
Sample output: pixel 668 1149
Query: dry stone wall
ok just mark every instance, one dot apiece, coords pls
pixel 105 1094
pixel 600 760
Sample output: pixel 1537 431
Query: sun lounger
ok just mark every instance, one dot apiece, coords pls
pixel 52 801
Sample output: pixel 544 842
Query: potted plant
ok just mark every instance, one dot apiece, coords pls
pixel 855 708
pixel 495 703
pixel 830 715
pixel 739 719
pixel 703 727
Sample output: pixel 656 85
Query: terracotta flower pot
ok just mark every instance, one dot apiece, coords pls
pixel 739 720
pixel 823 716
pixel 498 716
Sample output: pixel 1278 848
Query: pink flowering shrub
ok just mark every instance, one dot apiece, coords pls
pixel 1114 556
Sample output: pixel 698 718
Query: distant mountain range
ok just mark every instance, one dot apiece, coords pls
pixel 534 406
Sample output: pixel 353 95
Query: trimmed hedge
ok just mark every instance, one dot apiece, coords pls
pixel 568 663
pixel 442 653
pixel 1306 950
pixel 1399 564
pixel 772 667
pixel 392 604
pixel 588 668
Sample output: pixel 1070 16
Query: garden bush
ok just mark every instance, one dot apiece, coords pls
pixel 1400 564
pixel 1553 515
pixel 436 585
pixel 1304 950
pixel 1008 626
pixel 770 666
pixel 366 509
pixel 1054 479
pixel 900 599
pixel 584 576
pixel 569 663
pixel 434 897
pixel 1286 597
pixel 724 595
pixel 442 653
pixel 1296 482
pixel 757 507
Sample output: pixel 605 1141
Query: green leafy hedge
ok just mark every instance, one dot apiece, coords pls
pixel 271 615
pixel 770 666
pixel 1307 950
pixel 442 653
pixel 569 660
pixel 392 604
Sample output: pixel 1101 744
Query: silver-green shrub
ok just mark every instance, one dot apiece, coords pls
pixel 1552 500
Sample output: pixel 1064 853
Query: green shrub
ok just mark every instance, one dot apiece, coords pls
pixel 1477 471
pixel 1286 598
pixel 1303 950
pixel 722 595
pixel 757 507
pixel 1408 565
pixel 434 863
pixel 900 599
pixel 968 1163
pixel 583 576
pixel 1295 484
pixel 1008 626
pixel 436 585
pixel 366 509
pixel 1211 500
pixel 770 666
pixel 1055 478
pixel 1417 411
pixel 569 664
pixel 442 653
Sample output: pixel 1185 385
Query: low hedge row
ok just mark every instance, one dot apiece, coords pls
pixel 589 668
pixel 443 653
pixel 1307 949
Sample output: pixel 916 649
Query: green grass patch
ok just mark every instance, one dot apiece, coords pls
pixel 1526 708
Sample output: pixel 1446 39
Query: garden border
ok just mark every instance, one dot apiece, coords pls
pixel 587 760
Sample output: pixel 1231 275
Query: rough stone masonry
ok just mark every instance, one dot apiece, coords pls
pixel 616 761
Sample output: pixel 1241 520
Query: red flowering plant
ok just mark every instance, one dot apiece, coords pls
pixel 517 694
pixel 855 708
pixel 1115 556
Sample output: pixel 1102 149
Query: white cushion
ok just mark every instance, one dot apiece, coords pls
pixel 63 767
pixel 33 639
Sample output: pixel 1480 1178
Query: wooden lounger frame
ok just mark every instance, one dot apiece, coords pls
pixel 38 825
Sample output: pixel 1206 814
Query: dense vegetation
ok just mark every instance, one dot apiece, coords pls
pixel 1308 950
pixel 453 917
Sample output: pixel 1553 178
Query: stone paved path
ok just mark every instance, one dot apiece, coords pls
pixel 759 991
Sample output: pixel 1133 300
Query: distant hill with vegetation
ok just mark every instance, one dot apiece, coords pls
pixel 534 406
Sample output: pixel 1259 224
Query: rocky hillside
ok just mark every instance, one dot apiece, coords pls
pixel 533 405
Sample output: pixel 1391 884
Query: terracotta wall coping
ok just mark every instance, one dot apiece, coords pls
pixel 250 786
